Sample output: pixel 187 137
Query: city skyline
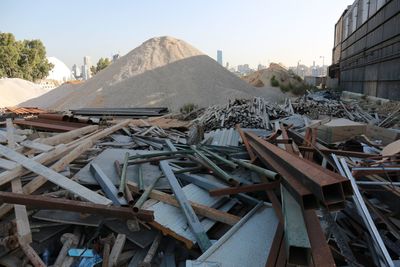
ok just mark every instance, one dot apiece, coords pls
pixel 248 33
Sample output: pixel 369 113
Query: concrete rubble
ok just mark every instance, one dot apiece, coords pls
pixel 310 182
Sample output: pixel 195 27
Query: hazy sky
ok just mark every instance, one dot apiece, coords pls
pixel 251 31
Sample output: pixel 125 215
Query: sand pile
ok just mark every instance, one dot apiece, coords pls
pixel 163 71
pixel 14 91
pixel 262 78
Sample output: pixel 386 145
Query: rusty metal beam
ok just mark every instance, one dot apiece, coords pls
pixel 244 189
pixel 320 252
pixel 323 183
pixel 37 201
pixel 303 196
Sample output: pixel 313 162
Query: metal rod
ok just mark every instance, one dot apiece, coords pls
pixel 122 182
pixel 145 195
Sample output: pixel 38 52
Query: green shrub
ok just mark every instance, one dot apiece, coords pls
pixel 274 82
pixel 187 108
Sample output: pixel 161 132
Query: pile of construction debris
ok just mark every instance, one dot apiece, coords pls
pixel 278 189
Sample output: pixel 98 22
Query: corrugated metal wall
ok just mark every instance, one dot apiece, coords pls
pixel 370 58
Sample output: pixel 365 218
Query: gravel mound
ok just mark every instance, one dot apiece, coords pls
pixel 163 71
pixel 14 91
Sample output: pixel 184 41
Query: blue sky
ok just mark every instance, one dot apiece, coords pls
pixel 252 31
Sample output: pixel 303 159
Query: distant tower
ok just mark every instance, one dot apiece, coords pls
pixel 219 57
pixel 86 74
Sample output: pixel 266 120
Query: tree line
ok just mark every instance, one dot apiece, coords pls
pixel 24 59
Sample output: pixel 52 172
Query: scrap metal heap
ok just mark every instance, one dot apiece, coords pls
pixel 260 185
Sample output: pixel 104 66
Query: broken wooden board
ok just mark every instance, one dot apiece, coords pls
pixel 54 177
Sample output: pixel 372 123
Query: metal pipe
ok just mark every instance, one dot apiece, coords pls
pixel 122 182
pixel 217 170
pixel 158 154
pixel 377 183
pixel 218 157
pixel 268 173
pixel 140 178
pixel 145 195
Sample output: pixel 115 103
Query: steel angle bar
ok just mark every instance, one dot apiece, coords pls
pixel 108 187
pixel 379 246
pixel 194 223
pixel 322 183
pixel 298 248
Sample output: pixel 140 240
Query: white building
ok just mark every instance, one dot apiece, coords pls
pixel 60 72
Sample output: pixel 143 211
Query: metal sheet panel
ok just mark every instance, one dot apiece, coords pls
pixel 173 218
pixel 250 239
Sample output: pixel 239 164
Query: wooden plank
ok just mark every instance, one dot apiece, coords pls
pixel 21 216
pixel 43 158
pixel 68 136
pixel 116 250
pixel 80 147
pixel 54 177
pixel 31 254
pixel 37 146
pixel 202 210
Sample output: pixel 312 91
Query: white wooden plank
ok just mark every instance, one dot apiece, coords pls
pixel 8 164
pixel 54 177
pixel 21 216
pixel 37 146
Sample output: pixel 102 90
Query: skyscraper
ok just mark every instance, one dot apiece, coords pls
pixel 219 57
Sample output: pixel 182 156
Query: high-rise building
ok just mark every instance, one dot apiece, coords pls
pixel 115 57
pixel 219 57
pixel 86 61
pixel 76 71
pixel 86 74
